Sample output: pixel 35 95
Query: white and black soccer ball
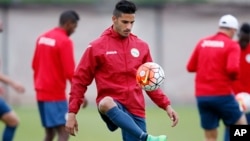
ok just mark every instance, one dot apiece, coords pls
pixel 150 76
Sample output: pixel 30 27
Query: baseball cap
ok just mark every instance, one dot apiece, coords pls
pixel 229 21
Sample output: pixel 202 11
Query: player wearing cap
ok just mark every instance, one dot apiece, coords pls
pixel 215 60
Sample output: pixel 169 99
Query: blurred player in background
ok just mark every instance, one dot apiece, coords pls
pixel 215 60
pixel 7 115
pixel 112 60
pixel 53 64
pixel 242 84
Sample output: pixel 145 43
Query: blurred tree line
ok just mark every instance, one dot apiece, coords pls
pixel 139 2
pixel 142 2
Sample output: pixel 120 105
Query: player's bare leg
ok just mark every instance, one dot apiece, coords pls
pixel 49 134
pixel 11 121
pixel 106 104
pixel 108 107
pixel 211 135
pixel 62 134
pixel 242 120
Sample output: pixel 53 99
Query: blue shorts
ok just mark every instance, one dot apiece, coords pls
pixel 214 108
pixel 4 107
pixel 125 135
pixel 53 114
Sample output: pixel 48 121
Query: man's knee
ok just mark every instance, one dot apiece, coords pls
pixel 11 119
pixel 242 120
pixel 106 104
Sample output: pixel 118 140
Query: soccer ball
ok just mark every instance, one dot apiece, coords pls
pixel 243 99
pixel 150 76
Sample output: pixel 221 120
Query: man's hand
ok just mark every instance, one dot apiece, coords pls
pixel 18 87
pixel 172 115
pixel 85 103
pixel 71 124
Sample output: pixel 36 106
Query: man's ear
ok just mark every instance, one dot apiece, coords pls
pixel 114 18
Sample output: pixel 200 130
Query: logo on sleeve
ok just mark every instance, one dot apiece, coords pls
pixel 135 52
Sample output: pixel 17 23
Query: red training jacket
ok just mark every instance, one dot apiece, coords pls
pixel 242 84
pixel 216 63
pixel 53 64
pixel 112 61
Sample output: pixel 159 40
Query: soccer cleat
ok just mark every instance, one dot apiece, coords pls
pixel 157 138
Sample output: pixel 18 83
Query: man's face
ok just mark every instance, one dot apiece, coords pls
pixel 123 24
pixel 232 32
pixel 70 27
pixel 244 39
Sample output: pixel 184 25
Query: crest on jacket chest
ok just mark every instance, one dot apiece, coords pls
pixel 135 52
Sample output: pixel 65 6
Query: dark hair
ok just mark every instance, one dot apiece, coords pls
pixel 245 28
pixel 124 6
pixel 69 15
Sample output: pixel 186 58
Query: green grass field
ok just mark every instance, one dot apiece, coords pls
pixel 92 128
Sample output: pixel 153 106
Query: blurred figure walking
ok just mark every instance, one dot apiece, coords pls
pixel 7 115
pixel 53 64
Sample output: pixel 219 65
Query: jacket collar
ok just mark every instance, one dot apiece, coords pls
pixel 59 29
pixel 222 34
pixel 111 32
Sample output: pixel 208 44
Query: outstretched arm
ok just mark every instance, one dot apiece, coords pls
pixel 15 85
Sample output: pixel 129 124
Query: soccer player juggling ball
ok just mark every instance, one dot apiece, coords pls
pixel 215 60
pixel 112 60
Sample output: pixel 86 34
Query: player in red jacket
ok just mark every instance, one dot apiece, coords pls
pixel 215 61
pixel 242 84
pixel 112 60
pixel 243 81
pixel 53 64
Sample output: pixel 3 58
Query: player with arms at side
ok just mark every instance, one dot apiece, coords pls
pixel 215 60
pixel 242 84
pixel 53 64
pixel 112 60
pixel 7 115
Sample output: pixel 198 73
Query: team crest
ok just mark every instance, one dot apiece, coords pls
pixel 135 52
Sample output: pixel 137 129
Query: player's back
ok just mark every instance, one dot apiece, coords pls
pixel 48 62
pixel 217 63
pixel 48 47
